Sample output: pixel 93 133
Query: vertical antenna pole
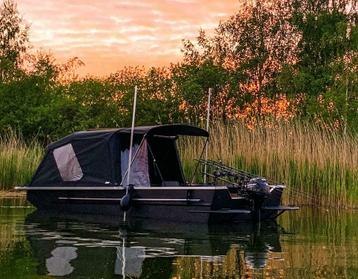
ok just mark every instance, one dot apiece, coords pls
pixel 131 147
pixel 131 139
pixel 207 128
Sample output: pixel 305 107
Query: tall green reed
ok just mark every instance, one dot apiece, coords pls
pixel 18 160
pixel 318 163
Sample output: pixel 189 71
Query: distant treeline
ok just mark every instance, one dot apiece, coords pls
pixel 272 61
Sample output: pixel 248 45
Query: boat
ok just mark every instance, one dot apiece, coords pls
pixel 94 172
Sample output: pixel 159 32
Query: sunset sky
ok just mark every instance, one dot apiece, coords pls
pixel 107 35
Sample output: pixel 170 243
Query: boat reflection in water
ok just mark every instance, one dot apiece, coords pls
pixel 98 248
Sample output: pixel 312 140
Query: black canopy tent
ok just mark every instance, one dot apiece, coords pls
pixel 94 158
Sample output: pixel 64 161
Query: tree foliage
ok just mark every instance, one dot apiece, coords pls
pixel 272 60
pixel 13 40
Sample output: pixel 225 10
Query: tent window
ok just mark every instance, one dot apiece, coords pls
pixel 67 163
pixel 139 169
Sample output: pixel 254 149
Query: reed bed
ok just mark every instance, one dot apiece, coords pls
pixel 18 160
pixel 318 163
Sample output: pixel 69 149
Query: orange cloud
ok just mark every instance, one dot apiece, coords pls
pixel 108 35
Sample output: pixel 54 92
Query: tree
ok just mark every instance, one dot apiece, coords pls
pixel 13 40
pixel 328 34
pixel 192 82
pixel 251 46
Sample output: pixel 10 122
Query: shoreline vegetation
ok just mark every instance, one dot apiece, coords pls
pixel 11 194
pixel 18 160
pixel 318 163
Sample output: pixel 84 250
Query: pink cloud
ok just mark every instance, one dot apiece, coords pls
pixel 108 35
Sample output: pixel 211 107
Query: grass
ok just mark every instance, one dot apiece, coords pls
pixel 18 160
pixel 317 163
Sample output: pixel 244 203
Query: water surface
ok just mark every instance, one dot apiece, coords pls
pixel 304 244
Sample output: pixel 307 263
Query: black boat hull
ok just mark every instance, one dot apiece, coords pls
pixel 180 204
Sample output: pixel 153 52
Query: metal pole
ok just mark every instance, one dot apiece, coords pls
pixel 124 177
pixel 130 147
pixel 207 128
pixel 131 139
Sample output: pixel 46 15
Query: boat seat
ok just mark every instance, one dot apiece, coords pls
pixel 170 183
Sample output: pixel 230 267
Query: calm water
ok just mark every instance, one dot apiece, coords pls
pixel 307 244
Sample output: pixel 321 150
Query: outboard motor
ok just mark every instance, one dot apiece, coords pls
pixel 258 190
pixel 126 201
pixel 258 185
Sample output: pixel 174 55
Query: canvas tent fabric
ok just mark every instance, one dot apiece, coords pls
pixel 96 155
pixel 93 158
pixel 161 130
pixel 139 174
pixel 169 130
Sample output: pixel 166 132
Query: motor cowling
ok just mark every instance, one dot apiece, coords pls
pixel 258 185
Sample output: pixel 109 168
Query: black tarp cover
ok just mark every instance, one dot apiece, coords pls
pixel 95 153
pixel 98 153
